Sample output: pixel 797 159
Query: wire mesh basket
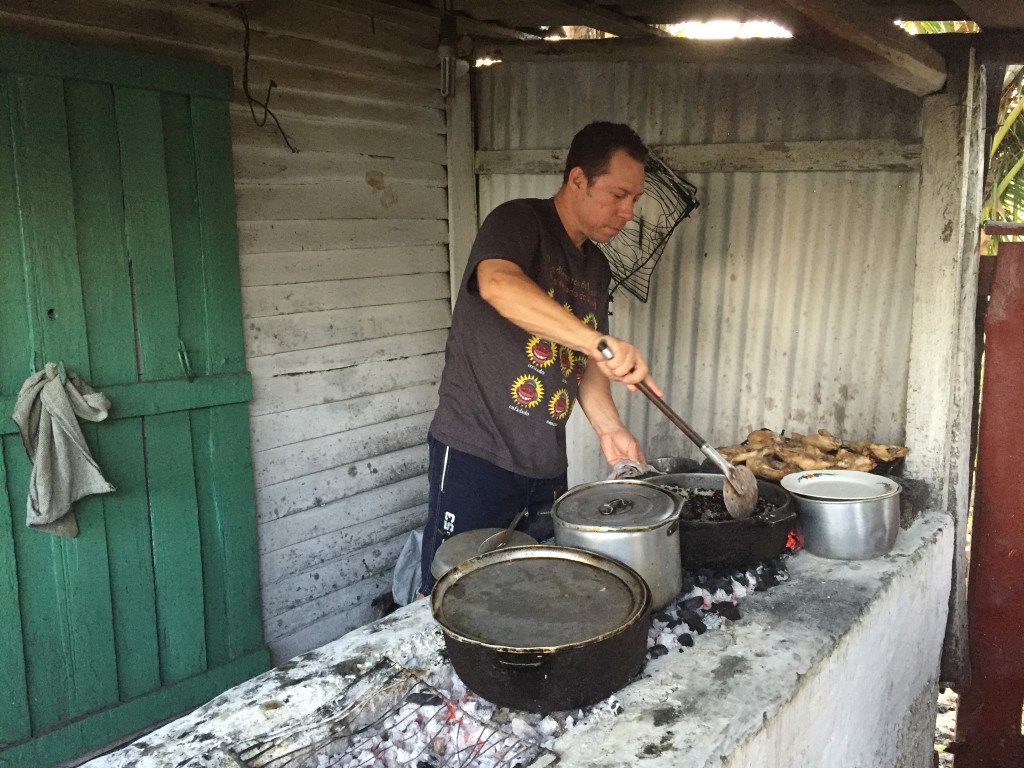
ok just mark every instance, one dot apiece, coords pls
pixel 635 251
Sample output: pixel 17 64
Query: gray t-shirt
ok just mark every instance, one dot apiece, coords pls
pixel 506 394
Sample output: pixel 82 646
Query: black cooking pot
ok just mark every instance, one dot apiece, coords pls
pixel 731 543
pixel 543 628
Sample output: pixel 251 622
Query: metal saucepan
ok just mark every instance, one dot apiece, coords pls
pixel 543 628
pixel 849 529
pixel 630 520
pixel 465 545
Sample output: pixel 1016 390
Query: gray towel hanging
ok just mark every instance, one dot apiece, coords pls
pixel 63 470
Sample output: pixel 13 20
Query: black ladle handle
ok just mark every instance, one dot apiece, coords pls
pixel 675 418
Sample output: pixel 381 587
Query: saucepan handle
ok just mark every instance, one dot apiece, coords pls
pixel 512 661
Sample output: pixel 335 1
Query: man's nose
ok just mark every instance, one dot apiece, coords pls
pixel 626 210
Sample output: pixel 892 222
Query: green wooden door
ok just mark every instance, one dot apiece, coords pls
pixel 118 256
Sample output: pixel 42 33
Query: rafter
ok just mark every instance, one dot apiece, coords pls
pixel 593 15
pixel 534 13
pixel 854 32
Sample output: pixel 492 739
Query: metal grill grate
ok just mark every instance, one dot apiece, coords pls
pixel 635 251
pixel 390 718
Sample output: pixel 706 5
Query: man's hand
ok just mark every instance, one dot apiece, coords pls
pixel 620 445
pixel 621 361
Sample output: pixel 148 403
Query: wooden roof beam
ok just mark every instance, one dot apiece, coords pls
pixel 677 49
pixel 589 14
pixel 854 32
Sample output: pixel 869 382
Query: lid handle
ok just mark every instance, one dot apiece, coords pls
pixel 614 506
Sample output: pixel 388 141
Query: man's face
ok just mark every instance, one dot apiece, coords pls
pixel 606 202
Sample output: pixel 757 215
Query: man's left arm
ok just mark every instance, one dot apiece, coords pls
pixel 595 397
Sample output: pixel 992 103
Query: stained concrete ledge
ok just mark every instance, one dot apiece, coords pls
pixel 836 667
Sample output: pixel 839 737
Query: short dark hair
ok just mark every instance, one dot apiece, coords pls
pixel 592 148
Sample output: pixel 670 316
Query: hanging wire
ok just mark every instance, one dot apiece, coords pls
pixel 635 251
pixel 265 104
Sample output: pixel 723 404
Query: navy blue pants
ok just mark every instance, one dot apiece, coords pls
pixel 467 493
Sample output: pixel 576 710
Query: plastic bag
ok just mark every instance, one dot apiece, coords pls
pixel 405 581
pixel 625 469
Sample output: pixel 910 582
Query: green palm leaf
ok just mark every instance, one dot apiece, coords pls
pixel 1004 195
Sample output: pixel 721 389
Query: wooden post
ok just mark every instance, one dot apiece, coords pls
pixel 988 725
pixel 462 199
pixel 940 398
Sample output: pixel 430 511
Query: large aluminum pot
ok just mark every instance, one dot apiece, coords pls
pixel 543 628
pixel 845 515
pixel 849 529
pixel 635 522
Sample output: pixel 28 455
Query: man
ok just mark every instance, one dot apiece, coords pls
pixel 523 346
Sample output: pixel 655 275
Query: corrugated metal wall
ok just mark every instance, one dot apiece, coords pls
pixel 785 301
pixel 344 264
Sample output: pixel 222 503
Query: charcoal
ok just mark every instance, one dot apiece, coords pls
pixel 694 622
pixel 422 698
pixel 657 651
pixel 716 583
pixel 727 611
pixel 686 640
pixel 663 616
pixel 693 603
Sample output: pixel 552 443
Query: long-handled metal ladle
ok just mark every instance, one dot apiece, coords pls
pixel 740 486
pixel 500 539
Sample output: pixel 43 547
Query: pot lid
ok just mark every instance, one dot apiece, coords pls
pixel 463 546
pixel 615 505
pixel 539 597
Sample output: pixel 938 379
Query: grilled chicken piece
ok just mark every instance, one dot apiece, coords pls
pixel 761 438
pixel 888 452
pixel 805 457
pixel 770 468
pixel 737 454
pixel 823 441
pixel 849 460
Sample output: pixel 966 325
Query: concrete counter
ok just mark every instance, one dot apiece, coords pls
pixel 836 667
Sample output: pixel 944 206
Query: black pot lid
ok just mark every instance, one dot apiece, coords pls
pixel 539 597
pixel 615 505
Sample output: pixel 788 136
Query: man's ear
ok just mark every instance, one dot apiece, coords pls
pixel 578 179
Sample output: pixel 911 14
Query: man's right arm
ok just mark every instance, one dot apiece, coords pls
pixel 518 299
